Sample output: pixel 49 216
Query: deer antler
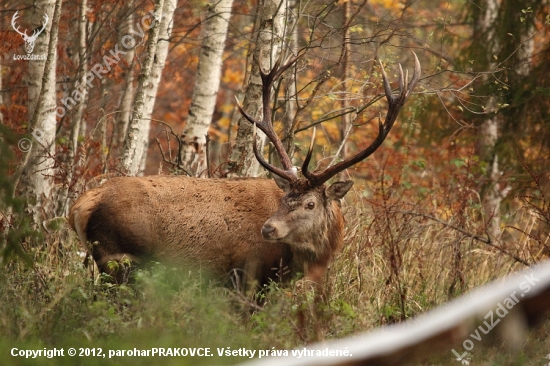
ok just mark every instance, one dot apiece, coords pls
pixel 288 172
pixel 15 16
pixel 36 31
pixel 394 105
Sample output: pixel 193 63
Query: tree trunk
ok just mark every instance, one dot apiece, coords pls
pixel 81 79
pixel 492 198
pixel 125 106
pixel 205 91
pixel 37 168
pixel 489 132
pixel 291 104
pixel 157 48
pixel 268 48
pixel 345 103
pixel 80 92
pixel 165 32
pixel 493 190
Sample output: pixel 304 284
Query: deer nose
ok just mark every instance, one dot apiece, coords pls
pixel 268 231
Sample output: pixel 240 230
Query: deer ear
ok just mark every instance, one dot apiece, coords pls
pixel 338 190
pixel 281 182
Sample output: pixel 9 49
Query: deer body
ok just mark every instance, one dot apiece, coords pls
pixel 216 224
pixel 271 230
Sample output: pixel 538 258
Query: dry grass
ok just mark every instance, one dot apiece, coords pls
pixel 406 251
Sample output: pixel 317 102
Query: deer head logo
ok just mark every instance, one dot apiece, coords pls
pixel 29 40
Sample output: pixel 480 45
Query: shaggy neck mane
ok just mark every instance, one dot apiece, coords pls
pixel 335 229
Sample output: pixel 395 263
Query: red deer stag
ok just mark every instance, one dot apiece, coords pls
pixel 254 224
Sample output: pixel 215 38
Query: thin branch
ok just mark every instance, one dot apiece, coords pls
pixel 473 236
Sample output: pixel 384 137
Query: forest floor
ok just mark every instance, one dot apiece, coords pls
pixel 394 265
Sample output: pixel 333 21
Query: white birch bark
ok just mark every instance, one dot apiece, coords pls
pixel 268 47
pixel 346 118
pixel 291 106
pixel 165 32
pixel 488 137
pixel 79 93
pixel 490 129
pixel 38 165
pixel 81 78
pixel 207 83
pixel 144 100
pixel 125 106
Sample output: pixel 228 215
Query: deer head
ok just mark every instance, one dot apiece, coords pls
pixel 309 196
pixel 29 40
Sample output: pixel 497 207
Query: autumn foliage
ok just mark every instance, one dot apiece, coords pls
pixel 419 231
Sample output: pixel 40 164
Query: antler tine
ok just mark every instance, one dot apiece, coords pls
pixel 394 105
pixel 416 74
pixel 387 87
pixel 36 32
pixel 268 78
pixel 305 164
pixel 266 125
pixel 288 63
pixel 246 115
pixel 15 26
pixel 14 17
pixel 261 124
pixel 267 128
pixel 286 174
pixel 402 80
pixel 45 17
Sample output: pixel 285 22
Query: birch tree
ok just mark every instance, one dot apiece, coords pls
pixel 291 109
pixel 37 168
pixel 207 83
pixel 76 126
pixel 136 143
pixel 125 105
pixel 76 122
pixel 489 130
pixel 496 49
pixel 345 62
pixel 269 44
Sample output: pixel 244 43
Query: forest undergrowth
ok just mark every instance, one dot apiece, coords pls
pixel 407 250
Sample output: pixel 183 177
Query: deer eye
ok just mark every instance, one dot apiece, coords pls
pixel 310 205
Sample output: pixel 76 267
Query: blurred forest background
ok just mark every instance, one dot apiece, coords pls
pixel 458 194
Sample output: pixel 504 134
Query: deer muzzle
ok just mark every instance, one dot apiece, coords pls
pixel 269 232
